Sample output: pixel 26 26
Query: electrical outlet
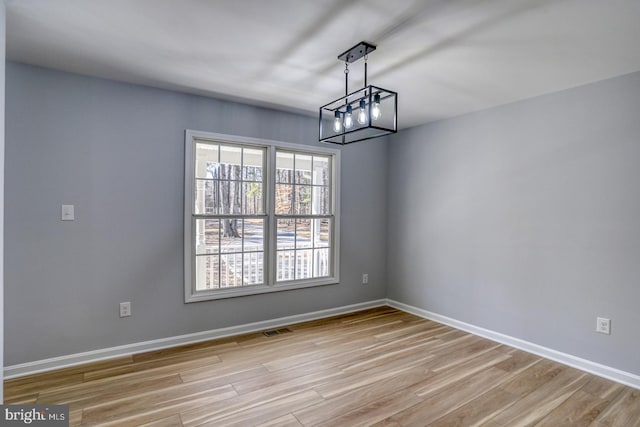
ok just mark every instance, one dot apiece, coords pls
pixel 68 213
pixel 365 279
pixel 603 325
pixel 125 309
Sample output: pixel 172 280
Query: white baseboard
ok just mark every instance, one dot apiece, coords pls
pixel 44 365
pixel 613 374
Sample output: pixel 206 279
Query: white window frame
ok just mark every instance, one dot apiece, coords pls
pixel 270 285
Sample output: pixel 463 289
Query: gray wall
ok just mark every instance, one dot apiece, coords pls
pixel 2 74
pixel 525 219
pixel 522 219
pixel 115 151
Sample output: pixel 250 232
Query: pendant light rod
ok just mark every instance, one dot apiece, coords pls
pixel 365 71
pixel 346 78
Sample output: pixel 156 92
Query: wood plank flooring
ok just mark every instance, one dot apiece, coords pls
pixel 380 367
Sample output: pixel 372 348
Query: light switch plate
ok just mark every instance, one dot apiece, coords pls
pixel 68 213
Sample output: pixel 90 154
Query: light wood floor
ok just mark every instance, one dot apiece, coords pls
pixel 378 367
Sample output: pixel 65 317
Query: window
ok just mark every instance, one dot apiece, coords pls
pixel 260 216
pixel 303 215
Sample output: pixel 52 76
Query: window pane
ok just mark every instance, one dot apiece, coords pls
pixel 230 160
pixel 303 169
pixel 302 199
pixel 207 235
pixel 211 190
pixel 320 205
pixel 206 197
pixel 321 262
pixel 286 233
pixel 320 170
pixel 285 265
pixel 227 172
pixel 303 233
pixel 284 167
pixel 253 268
pixel 252 203
pixel 304 264
pixel 252 161
pixel 230 270
pixel 207 273
pixel 206 159
pixel 321 233
pixel 230 200
pixel 284 199
pixel 231 239
pixel 253 236
pixel 234 267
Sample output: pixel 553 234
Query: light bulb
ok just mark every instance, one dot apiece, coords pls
pixel 362 114
pixel 375 109
pixel 337 123
pixel 348 119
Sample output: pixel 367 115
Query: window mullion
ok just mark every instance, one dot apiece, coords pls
pixel 271 255
pixel 293 186
pixel 295 220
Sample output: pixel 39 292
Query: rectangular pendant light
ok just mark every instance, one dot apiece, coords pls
pixel 366 113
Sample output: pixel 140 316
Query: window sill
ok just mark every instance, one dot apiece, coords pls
pixel 258 289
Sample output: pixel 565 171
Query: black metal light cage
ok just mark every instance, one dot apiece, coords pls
pixel 387 122
pixel 366 113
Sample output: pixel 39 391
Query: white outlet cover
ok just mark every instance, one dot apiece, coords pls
pixel 603 325
pixel 68 213
pixel 125 309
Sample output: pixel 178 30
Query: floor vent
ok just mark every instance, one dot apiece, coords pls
pixel 275 332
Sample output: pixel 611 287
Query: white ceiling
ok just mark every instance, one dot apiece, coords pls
pixel 444 58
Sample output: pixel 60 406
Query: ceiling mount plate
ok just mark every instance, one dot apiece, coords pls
pixel 357 52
